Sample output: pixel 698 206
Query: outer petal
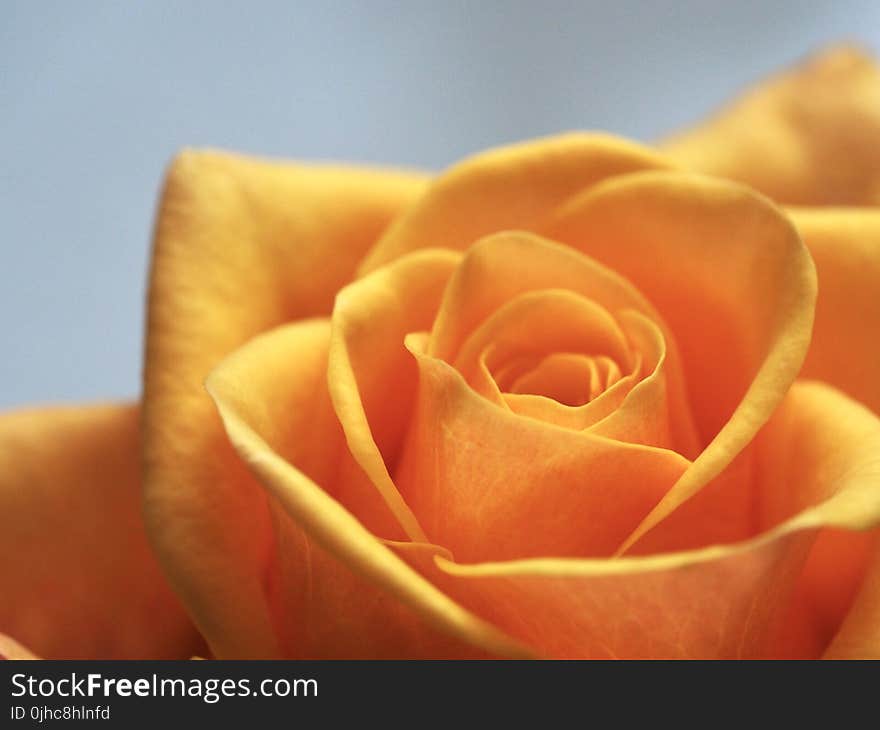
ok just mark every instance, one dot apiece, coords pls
pixel 77 575
pixel 506 188
pixel 729 275
pixel 241 246
pixel 339 590
pixel 810 136
pixel 722 601
pixel 845 351
pixel 859 637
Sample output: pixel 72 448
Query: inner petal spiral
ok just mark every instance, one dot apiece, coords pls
pixel 570 378
pixel 514 343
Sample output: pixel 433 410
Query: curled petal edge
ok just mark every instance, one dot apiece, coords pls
pixel 342 535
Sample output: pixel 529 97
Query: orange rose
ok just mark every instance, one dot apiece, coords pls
pixel 570 399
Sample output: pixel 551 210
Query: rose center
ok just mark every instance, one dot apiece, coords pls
pixel 570 378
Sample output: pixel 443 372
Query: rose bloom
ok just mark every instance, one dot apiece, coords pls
pixel 571 398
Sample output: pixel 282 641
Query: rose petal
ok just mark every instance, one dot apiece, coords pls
pixel 825 593
pixel 488 484
pixel 845 351
pixel 647 412
pixel 859 636
pixel 538 322
pixel 11 649
pixel 368 363
pixel 502 267
pixel 77 575
pixel 634 408
pixel 279 380
pixel 607 393
pixel 687 239
pixel 721 601
pixel 544 321
pixel 241 246
pixel 341 591
pixel 797 466
pixel 805 137
pixel 510 187
pixel 569 378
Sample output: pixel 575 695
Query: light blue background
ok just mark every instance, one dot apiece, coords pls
pixel 96 96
